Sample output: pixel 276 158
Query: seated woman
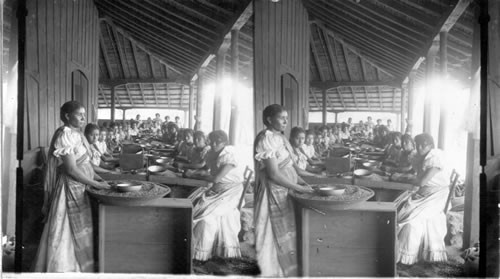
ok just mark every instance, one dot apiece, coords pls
pixel 91 134
pixel 297 137
pixel 344 133
pixel 407 160
pixel 320 146
pixel 186 145
pixel 216 217
pixel 196 159
pixel 308 147
pixel 381 138
pixel 393 152
pixel 421 225
pixel 170 136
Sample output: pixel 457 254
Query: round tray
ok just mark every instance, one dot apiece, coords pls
pixel 314 200
pixel 150 191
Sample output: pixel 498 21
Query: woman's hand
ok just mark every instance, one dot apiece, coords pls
pixel 305 189
pixel 101 185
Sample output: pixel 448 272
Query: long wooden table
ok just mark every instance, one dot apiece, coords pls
pixel 353 240
pixel 151 238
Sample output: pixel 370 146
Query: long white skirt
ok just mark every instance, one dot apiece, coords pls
pixel 422 228
pixel 216 220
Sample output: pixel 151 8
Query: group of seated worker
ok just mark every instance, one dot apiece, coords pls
pixel 421 226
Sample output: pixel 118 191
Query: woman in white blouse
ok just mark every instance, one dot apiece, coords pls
pixel 421 220
pixel 216 217
pixel 275 174
pixel 66 244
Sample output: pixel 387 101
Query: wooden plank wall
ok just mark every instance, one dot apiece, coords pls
pixel 62 37
pixel 281 45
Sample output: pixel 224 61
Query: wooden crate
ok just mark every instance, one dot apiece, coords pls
pixel 357 242
pixel 155 238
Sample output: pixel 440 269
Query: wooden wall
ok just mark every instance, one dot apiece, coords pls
pixel 61 37
pixel 281 46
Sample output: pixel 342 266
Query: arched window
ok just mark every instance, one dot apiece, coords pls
pixel 290 100
pixel 79 87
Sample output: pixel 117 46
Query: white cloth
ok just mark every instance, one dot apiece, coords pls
pixel 95 155
pixel 101 145
pixel 227 156
pixel 308 150
pixel 70 142
pixel 216 217
pixel 421 220
pixel 299 158
pixel 273 145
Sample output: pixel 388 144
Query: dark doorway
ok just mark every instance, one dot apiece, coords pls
pixel 79 87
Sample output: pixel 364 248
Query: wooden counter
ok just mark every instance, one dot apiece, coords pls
pixel 150 238
pixel 353 240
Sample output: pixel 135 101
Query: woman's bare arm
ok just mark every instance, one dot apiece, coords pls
pixel 72 169
pixel 271 166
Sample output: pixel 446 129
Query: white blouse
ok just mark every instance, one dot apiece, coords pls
pixel 226 157
pixel 69 142
pixel 309 150
pixel 272 145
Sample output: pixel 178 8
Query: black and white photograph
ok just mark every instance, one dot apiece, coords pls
pixel 249 138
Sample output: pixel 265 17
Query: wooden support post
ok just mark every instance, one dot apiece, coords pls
pixel 199 94
pixel 404 92
pixel 443 60
pixel 233 122
pixel 411 99
pixel 123 118
pixel 429 76
pixel 191 105
pixel 323 91
pixel 219 76
pixel 113 101
pixel 336 117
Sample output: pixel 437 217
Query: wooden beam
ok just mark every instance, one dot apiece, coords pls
pixel 141 33
pixel 315 98
pixel 134 53
pixel 191 105
pixel 103 95
pixel 219 68
pixel 324 110
pixel 328 100
pixel 113 103
pixel 429 76
pixel 353 95
pixel 154 92
pixel 328 84
pixel 240 18
pixel 169 27
pixel 403 108
pixel 235 59
pixel 215 7
pixel 151 65
pixel 341 97
pixel 182 96
pixel 447 20
pixel 394 99
pixel 168 94
pixel 455 14
pixel 116 82
pixel 195 13
pixel 339 38
pixel 443 62
pixel 142 93
pixel 380 98
pixel 129 96
pixel 316 57
pixel 105 55
pixel 333 56
pixel 121 55
pixel 366 95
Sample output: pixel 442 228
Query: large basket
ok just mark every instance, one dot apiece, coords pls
pixel 314 200
pixel 150 191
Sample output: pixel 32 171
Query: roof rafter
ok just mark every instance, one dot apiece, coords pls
pixel 197 14
pixel 339 38
pixel 117 82
pixel 380 98
pixel 239 19
pixel 328 84
pixel 316 58
pixel 129 96
pixel 366 95
pixel 103 95
pixel 333 57
pixel 447 22
pixel 105 55
pixel 394 98
pixel 142 93
pixel 341 97
pixel 154 92
pixel 138 44
pixel 314 97
pixel 215 7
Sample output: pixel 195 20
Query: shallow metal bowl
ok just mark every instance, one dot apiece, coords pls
pixel 162 161
pixel 330 190
pixel 157 169
pixel 124 186
pixel 371 164
pixel 362 172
